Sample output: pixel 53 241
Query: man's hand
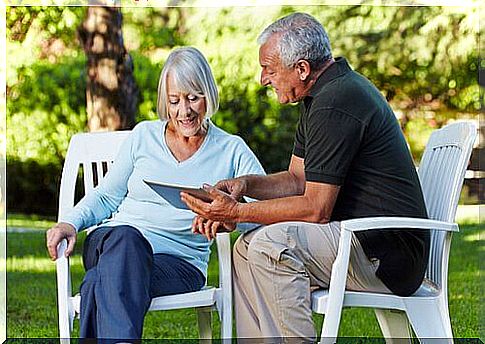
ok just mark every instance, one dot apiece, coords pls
pixel 55 235
pixel 236 188
pixel 223 207
pixel 210 228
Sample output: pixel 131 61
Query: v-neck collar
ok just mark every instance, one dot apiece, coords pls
pixel 193 156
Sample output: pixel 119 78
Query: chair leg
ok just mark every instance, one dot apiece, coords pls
pixel 204 319
pixel 66 320
pixel 430 320
pixel 65 325
pixel 394 326
pixel 226 324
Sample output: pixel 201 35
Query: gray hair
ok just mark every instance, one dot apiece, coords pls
pixel 192 74
pixel 302 38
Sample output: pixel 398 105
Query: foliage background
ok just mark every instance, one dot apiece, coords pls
pixel 425 61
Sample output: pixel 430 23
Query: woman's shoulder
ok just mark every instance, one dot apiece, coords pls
pixel 223 136
pixel 229 142
pixel 148 126
pixel 145 133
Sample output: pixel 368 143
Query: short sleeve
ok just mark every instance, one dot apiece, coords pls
pixel 246 161
pixel 333 138
pixel 299 145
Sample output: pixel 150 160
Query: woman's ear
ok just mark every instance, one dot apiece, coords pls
pixel 303 68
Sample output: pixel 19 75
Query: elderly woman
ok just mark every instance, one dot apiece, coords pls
pixel 144 247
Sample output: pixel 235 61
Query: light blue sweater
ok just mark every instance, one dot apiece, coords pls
pixel 124 199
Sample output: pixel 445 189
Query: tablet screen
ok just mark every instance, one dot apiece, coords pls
pixel 171 193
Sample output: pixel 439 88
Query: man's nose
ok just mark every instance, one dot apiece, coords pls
pixel 264 80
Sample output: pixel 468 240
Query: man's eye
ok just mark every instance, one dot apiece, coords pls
pixel 173 102
pixel 192 98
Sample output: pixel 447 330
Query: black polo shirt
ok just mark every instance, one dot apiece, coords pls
pixel 348 136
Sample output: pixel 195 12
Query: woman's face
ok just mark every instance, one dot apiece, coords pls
pixel 186 112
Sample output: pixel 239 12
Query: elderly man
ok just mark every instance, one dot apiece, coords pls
pixel 349 160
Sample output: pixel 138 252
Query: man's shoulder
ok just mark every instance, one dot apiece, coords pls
pixel 350 95
pixel 325 111
pixel 348 87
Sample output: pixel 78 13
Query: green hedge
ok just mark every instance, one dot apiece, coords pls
pixel 32 187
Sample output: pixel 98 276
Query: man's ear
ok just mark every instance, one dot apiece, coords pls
pixel 303 68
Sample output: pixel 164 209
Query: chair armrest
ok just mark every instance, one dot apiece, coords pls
pixel 367 223
pixel 66 311
pixel 224 293
pixel 224 257
pixel 63 270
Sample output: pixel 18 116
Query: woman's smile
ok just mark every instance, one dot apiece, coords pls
pixel 188 122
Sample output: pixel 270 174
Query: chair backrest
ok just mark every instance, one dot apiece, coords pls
pixel 94 153
pixel 441 173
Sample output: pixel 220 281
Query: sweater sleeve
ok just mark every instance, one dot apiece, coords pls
pixel 102 201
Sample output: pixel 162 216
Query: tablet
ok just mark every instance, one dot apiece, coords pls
pixel 171 193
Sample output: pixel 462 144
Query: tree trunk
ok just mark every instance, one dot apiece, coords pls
pixel 111 91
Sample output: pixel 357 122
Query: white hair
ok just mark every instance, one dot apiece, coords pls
pixel 302 38
pixel 192 74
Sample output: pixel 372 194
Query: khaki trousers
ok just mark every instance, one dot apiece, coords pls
pixel 275 269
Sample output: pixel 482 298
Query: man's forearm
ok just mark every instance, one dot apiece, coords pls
pixel 315 205
pixel 294 208
pixel 277 185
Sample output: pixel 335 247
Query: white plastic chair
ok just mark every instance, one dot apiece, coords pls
pixel 441 174
pixel 95 152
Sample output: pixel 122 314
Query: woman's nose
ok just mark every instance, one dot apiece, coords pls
pixel 185 108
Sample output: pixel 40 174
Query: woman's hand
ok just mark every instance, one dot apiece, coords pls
pixel 210 228
pixel 56 234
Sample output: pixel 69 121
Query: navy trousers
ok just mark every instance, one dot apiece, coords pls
pixel 122 276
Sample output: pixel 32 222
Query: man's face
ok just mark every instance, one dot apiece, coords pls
pixel 285 81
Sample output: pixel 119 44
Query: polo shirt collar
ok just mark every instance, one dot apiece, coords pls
pixel 338 68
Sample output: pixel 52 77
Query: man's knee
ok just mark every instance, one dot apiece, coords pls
pixel 277 248
pixel 240 249
pixel 268 244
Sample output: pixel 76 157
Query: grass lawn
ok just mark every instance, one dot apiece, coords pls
pixel 29 221
pixel 31 294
